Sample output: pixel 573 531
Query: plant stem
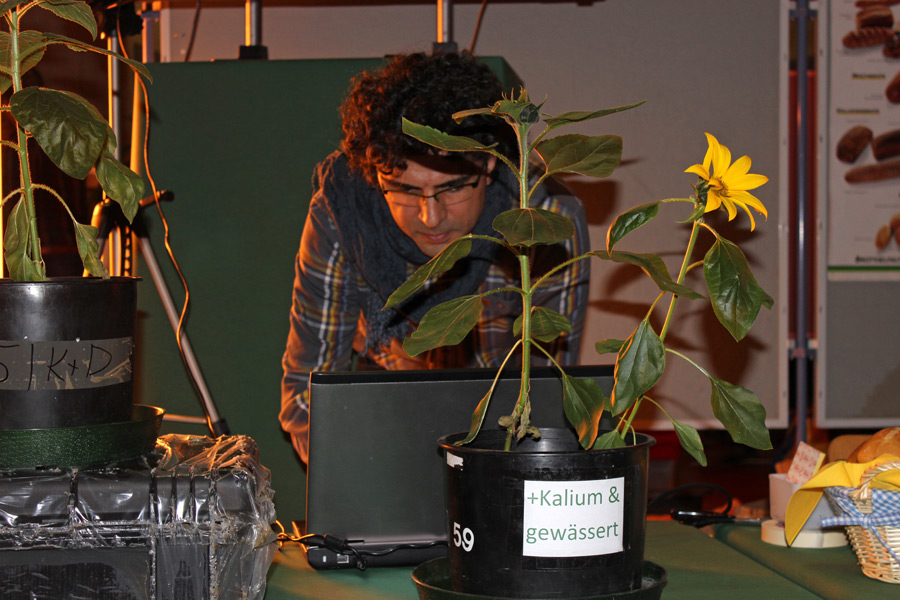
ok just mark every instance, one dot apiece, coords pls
pixel 522 136
pixel 633 411
pixel 34 245
pixel 695 230
pixel 527 291
pixel 525 383
pixel 685 266
pixel 685 357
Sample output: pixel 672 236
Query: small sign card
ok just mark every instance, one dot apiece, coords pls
pixel 573 518
pixel 807 461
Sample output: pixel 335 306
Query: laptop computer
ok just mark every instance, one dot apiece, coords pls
pixel 375 472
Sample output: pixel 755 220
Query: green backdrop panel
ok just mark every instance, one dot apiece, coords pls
pixel 236 142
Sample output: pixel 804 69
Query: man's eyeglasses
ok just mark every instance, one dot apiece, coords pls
pixel 448 196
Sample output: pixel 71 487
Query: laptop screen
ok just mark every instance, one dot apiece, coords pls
pixel 375 472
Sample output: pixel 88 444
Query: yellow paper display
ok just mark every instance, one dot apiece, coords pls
pixel 839 473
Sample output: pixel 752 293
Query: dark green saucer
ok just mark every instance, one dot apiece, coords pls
pixel 83 446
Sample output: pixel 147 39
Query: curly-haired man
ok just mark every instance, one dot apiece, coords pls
pixel 385 204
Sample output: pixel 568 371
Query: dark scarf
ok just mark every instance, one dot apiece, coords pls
pixel 371 240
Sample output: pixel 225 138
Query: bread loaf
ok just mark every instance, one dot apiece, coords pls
pixel 892 91
pixel 883 237
pixel 877 15
pixel 867 36
pixel 886 441
pixel 853 142
pixel 867 3
pixel 888 169
pixel 891 47
pixel 895 222
pixel 886 145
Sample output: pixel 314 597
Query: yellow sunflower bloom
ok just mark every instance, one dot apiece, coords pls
pixel 729 183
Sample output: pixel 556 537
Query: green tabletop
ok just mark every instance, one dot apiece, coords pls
pixel 699 568
pixel 831 573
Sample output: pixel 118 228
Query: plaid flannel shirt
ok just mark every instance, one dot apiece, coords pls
pixel 327 326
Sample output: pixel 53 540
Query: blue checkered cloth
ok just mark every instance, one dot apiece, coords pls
pixel 885 511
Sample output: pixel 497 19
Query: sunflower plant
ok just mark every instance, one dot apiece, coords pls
pixel 70 131
pixel 731 289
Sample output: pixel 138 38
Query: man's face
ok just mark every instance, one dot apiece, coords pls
pixel 434 222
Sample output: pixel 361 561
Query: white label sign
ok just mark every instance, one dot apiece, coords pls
pixel 573 518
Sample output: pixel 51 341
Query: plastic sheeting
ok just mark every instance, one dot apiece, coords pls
pixel 191 521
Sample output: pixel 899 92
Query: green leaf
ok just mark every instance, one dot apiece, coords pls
pixel 585 115
pixel 445 325
pixel 478 417
pixel 521 110
pixel 75 11
pixel 653 266
pixel 121 184
pixel 459 116
pixel 444 141
pixel 609 345
pixel 607 404
pixel 610 439
pixel 699 211
pixel 690 441
pixel 741 412
pixel 531 226
pixel 15 244
pixel 8 5
pixel 546 324
pixel 80 46
pixel 733 291
pixel 88 249
pixel 28 41
pixel 639 366
pixel 443 261
pixel 597 156
pixel 628 221
pixel 583 405
pixel 71 131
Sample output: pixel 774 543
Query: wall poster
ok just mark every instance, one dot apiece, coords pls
pixel 863 153
pixel 858 245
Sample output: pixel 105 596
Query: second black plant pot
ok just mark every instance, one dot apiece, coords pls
pixel 547 519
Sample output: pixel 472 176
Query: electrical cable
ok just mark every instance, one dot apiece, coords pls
pixel 179 330
pixel 477 26
pixel 342 546
pixel 332 542
pixel 681 488
pixel 700 518
pixel 190 48
pixel 406 546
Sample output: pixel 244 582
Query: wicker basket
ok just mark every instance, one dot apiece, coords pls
pixel 872 521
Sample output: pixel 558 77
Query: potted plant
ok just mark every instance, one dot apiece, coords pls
pixel 562 514
pixel 66 343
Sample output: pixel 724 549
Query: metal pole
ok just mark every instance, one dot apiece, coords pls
pixel 801 349
pixel 444 21
pixel 114 250
pixel 113 85
pixel 148 50
pixel 216 423
pixel 253 23
pixel 253 47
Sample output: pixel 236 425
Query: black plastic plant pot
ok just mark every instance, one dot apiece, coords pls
pixel 546 519
pixel 66 352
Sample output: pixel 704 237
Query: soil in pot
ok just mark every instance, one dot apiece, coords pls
pixel 547 519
